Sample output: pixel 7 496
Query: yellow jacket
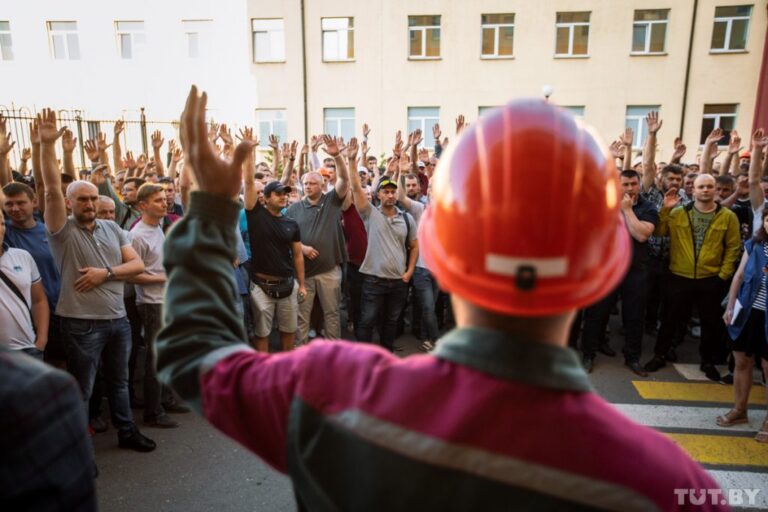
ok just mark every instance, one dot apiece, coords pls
pixel 719 252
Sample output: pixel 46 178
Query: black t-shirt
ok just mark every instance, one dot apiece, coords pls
pixel 271 238
pixel 645 212
pixel 743 210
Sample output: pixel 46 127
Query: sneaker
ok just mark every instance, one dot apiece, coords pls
pixel 135 440
pixel 655 364
pixel 728 379
pixel 162 421
pixel 710 371
pixel 588 362
pixel 99 425
pixel 635 368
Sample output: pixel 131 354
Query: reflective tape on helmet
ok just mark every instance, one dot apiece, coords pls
pixel 509 266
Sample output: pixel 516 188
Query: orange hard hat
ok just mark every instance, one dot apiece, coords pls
pixel 525 218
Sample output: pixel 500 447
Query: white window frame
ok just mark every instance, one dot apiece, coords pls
pixel 648 31
pixel 272 34
pixel 64 34
pixel 201 28
pixel 6 52
pixel 728 20
pixel 718 117
pixel 337 121
pixel 571 25
pixel 426 131
pixel 639 128
pixel 271 116
pixel 496 27
pixel 423 30
pixel 138 44
pixel 340 34
pixel 577 111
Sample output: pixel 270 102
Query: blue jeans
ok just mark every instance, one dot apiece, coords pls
pixel 86 341
pixel 151 318
pixel 425 286
pixel 381 299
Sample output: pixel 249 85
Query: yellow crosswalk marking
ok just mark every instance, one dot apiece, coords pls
pixel 724 450
pixel 694 392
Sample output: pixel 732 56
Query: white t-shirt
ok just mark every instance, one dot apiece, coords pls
pixel 148 243
pixel 16 329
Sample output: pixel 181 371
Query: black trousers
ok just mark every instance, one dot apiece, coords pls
pixel 632 293
pixel 706 294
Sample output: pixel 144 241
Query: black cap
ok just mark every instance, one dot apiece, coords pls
pixel 276 186
pixel 386 182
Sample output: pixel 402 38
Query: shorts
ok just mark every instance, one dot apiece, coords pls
pixel 752 339
pixel 264 307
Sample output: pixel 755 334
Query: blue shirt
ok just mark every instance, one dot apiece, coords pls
pixel 35 242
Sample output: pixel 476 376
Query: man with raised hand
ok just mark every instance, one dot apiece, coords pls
pixel 332 414
pixel 93 257
pixel 322 242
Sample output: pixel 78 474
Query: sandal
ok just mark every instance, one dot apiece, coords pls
pixel 731 418
pixel 762 436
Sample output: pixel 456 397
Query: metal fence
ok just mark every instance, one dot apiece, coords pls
pixel 136 136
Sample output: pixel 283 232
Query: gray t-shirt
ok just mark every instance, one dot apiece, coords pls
pixel 73 248
pixel 417 210
pixel 320 227
pixel 148 242
pixel 385 256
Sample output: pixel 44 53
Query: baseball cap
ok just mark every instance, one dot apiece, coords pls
pixel 746 154
pixel 324 172
pixel 276 186
pixel 420 164
pixel 386 182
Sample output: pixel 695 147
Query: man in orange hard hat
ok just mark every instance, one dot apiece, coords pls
pixel 501 415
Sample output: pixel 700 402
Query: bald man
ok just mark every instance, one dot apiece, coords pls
pixel 704 248
pixel 93 257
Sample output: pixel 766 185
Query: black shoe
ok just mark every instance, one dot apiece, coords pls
pixel 162 421
pixel 606 349
pixel 636 368
pixel 588 362
pixel 671 355
pixel 710 371
pixel 134 440
pixel 728 379
pixel 176 408
pixel 99 425
pixel 655 364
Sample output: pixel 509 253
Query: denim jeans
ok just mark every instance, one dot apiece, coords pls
pixel 34 352
pixel 425 288
pixel 87 340
pixel 355 285
pixel 381 298
pixel 151 318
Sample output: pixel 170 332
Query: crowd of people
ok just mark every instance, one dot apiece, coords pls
pixel 328 232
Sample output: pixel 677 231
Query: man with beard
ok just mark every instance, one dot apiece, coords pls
pixel 126 213
pixel 93 257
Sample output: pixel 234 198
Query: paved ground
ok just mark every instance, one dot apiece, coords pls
pixel 197 469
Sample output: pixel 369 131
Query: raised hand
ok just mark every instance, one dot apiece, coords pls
pixel 735 144
pixel 246 134
pixel 404 164
pixel 47 126
pixel 305 149
pixel 424 155
pixel 101 142
pixel 6 139
pixel 653 122
pixel 627 138
pixel 679 150
pixel 351 149
pixel 226 134
pixel 214 175
pixel 141 162
pixel 617 149
pixel 294 147
pixel 366 131
pixel 392 165
pixel 364 148
pixel 213 131
pixel 26 154
pixel 415 138
pixel 34 132
pixel 670 198
pixel 759 139
pixel 91 150
pixel 714 136
pixel 436 133
pixel 157 139
pixel 119 127
pixel 129 162
pixel 315 143
pixel 274 142
pixel 460 124
pixel 68 141
pixel 176 155
pixel 331 146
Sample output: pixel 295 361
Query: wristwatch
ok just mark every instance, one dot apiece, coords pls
pixel 110 274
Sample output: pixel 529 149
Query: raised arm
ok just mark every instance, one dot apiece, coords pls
pixel 404 167
pixel 37 165
pixel 285 179
pixel 653 123
pixel 627 138
pixel 710 145
pixel 176 156
pixel 250 187
pixel 414 139
pixel 436 133
pixel 730 163
pixel 157 145
pixel 678 150
pixel 756 196
pixel 343 166
pixel 55 207
pixel 274 143
pixel 117 149
pixel 6 145
pixel 68 145
pixel 26 154
pixel 358 194
pixel 101 144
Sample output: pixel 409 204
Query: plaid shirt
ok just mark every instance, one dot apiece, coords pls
pixel 47 454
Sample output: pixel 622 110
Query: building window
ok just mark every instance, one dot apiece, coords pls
pixel 730 29
pixel 423 118
pixel 268 40
pixel 339 122
pixel 636 120
pixel 484 110
pixel 196 37
pixel 718 116
pixel 6 45
pixel 131 39
pixel 271 122
pixel 338 39
pixel 65 44
pixel 572 30
pixel 576 111
pixel 498 32
pixel 649 31
pixel 424 37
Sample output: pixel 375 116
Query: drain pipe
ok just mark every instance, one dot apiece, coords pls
pixel 304 70
pixel 687 67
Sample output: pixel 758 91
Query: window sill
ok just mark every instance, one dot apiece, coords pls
pixel 648 54
pixel 497 57
pixel 563 56
pixel 338 61
pixel 424 58
pixel 269 62
pixel 720 52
